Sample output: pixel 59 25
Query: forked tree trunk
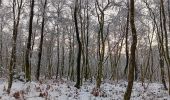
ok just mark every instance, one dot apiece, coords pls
pixel 160 40
pixel 12 65
pixel 101 40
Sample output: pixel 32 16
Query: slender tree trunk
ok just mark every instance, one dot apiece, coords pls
pixel 161 49
pixel 160 39
pixel 70 53
pixel 58 50
pixel 50 48
pixel 41 42
pixel 79 45
pixel 101 42
pixel 126 40
pixel 27 55
pixel 133 54
pixel 166 41
pixel 16 21
pixel 72 60
pixel 161 64
pixel 63 54
pixel 87 69
pixel 33 38
pixel 1 46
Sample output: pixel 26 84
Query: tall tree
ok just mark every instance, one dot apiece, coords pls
pixel 100 39
pixel 126 39
pixel 164 30
pixel 79 44
pixel 41 41
pixel 16 20
pixel 63 51
pixel 133 54
pixel 160 40
pixel 28 49
pixel 87 69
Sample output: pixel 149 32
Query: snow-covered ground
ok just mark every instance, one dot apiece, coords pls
pixel 65 90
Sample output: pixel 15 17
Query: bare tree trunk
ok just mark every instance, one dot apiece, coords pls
pixel 79 45
pixel 70 53
pixel 81 40
pixel 160 39
pixel 58 50
pixel 50 48
pixel 1 46
pixel 41 42
pixel 133 52
pixel 72 61
pixel 27 55
pixel 63 54
pixel 161 49
pixel 87 50
pixel 166 41
pixel 33 38
pixel 126 40
pixel 16 21
pixel 101 40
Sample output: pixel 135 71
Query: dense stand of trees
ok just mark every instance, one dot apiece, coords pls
pixel 85 40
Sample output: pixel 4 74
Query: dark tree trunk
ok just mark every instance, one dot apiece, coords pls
pixel 27 55
pixel 126 39
pixel 79 45
pixel 133 50
pixel 41 42
pixel 72 77
pixel 58 51
pixel 87 69
pixel 101 41
pixel 70 53
pixel 63 54
pixel 167 58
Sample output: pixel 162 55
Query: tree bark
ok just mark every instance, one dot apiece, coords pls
pixel 28 49
pixel 160 39
pixel 126 40
pixel 16 21
pixel 79 45
pixel 167 58
pixel 133 54
pixel 41 42
pixel 87 69
pixel 100 40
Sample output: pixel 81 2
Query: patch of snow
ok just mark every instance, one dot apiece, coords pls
pixel 65 90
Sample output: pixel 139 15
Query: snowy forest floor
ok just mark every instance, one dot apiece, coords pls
pixel 65 90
